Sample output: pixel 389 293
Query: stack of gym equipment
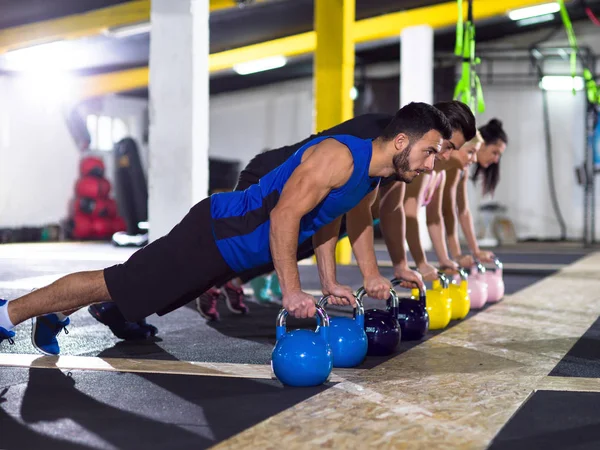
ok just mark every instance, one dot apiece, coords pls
pixel 93 213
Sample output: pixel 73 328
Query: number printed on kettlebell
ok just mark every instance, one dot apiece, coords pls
pixel 371 329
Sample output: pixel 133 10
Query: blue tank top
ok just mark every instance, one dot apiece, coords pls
pixel 241 219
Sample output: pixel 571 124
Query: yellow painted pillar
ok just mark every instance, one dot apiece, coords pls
pixel 334 75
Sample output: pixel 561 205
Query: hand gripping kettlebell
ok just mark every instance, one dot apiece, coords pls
pixel 439 305
pixel 381 326
pixel 412 313
pixel 478 287
pixel 347 337
pixel 495 282
pixel 459 293
pixel 302 357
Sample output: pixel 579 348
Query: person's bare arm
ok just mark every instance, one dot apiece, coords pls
pixel 328 167
pixel 435 226
pixel 449 211
pixel 359 223
pixel 412 203
pixel 324 243
pixel 392 222
pixel 466 223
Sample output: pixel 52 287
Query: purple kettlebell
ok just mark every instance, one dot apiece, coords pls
pixel 478 288
pixel 495 282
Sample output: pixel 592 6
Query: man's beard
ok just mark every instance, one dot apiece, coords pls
pixel 402 166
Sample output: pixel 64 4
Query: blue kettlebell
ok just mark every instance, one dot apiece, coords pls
pixel 412 313
pixel 302 357
pixel 347 337
pixel 381 326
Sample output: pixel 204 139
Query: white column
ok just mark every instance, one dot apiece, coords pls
pixel 416 65
pixel 178 154
pixel 416 84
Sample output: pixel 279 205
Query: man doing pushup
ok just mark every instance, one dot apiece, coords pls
pixel 228 233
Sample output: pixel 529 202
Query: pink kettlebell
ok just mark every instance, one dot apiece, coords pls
pixel 478 288
pixel 495 282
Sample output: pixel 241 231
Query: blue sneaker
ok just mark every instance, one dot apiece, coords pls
pixel 4 333
pixel 44 330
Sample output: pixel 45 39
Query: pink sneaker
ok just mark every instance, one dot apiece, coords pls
pixel 206 304
pixel 234 297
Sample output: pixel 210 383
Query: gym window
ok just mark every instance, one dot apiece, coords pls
pixel 105 131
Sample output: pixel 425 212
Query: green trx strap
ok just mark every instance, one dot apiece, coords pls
pixel 468 89
pixel 591 87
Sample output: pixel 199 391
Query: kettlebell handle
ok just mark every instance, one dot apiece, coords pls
pixel 282 316
pixel 359 308
pixel 498 263
pixel 463 274
pixel 480 267
pixel 361 293
pixel 444 279
pixel 422 292
pixel 397 281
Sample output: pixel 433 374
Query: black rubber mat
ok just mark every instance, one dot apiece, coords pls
pixel 583 360
pixel 53 409
pixel 184 335
pixel 553 420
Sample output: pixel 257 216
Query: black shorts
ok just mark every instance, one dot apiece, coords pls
pixel 171 271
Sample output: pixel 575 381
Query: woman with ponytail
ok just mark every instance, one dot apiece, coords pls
pixel 484 151
pixel 487 167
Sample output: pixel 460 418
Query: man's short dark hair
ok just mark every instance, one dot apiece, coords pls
pixel 415 120
pixel 460 117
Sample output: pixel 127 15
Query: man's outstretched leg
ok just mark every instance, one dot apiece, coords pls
pixel 165 275
pixel 69 293
pixel 45 329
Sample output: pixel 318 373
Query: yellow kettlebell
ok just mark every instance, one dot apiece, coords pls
pixel 459 293
pixel 439 303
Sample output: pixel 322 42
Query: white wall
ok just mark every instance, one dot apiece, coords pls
pixel 38 158
pixel 524 186
pixel 242 124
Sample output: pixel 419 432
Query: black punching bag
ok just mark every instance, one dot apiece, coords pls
pixel 131 190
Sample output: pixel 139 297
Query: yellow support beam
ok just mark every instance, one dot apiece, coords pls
pixel 90 23
pixel 367 30
pixel 287 46
pixel 372 29
pixel 334 74
pixel 74 26
pixel 217 5
pixel 108 83
pixel 334 62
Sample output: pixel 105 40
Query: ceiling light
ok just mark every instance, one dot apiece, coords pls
pixel 534 11
pixel 561 83
pixel 128 30
pixel 535 20
pixel 54 56
pixel 260 65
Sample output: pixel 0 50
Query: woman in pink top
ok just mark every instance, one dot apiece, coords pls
pixel 485 151
pixel 444 194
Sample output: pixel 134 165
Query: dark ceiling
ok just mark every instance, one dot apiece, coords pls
pixel 238 27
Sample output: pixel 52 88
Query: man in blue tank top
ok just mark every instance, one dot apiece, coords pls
pixel 235 231
pixel 388 203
